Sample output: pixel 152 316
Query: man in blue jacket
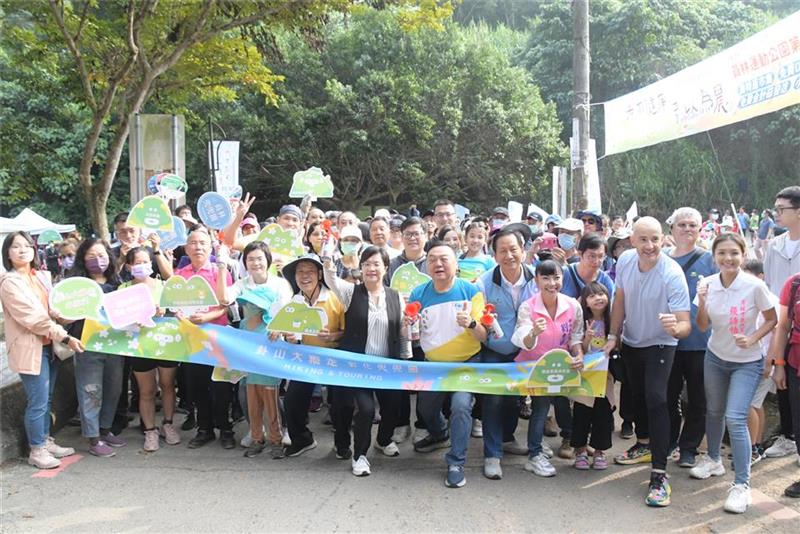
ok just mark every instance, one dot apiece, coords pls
pixel 506 287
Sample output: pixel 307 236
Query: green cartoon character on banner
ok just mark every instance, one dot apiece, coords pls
pixel 298 318
pixel 281 241
pixel 554 371
pixel 172 340
pixel 188 296
pixel 114 342
pixel 491 381
pixel 406 278
pixel 151 213
pixel 311 182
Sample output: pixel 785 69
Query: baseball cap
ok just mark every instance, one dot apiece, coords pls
pixel 291 209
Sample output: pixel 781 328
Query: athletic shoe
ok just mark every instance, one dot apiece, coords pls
pixel 57 451
pixel 516 448
pixel 793 490
pixel 276 451
pixel 227 440
pixel 296 450
pixel 42 458
pixel 739 499
pixel 674 454
pixel 550 427
pixel 201 438
pixel 660 490
pixel 455 477
pixel 420 434
pixel 565 450
pixel 706 467
pixel 492 469
pixel 361 467
pixel 169 434
pixel 247 440
pixel 315 405
pixel 540 465
pixel 581 461
pixel 101 449
pixel 285 439
pixel 401 433
pixel 687 459
pixel 389 450
pixel 547 450
pixel 525 411
pixel 430 443
pixel 343 454
pixel 255 448
pixel 190 422
pixel 150 440
pixel 626 432
pixel 782 446
pixel 755 455
pixel 114 441
pixel 639 453
pixel 477 428
pixel 600 462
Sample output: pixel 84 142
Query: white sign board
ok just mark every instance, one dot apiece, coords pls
pixel 226 164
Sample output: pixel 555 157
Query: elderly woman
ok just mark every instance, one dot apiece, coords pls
pixel 31 332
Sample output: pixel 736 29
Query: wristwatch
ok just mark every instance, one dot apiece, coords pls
pixel 472 325
pixel 157 253
pixel 65 341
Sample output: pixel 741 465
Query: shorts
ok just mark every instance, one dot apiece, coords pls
pixel 767 385
pixel 143 365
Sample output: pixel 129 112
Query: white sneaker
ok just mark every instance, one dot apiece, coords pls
pixel 739 499
pixel 420 434
pixel 285 439
pixel 492 469
pixel 389 450
pixel 477 428
pixel 516 447
pixel 783 446
pixel 706 467
pixel 547 450
pixel 57 451
pixel 247 440
pixel 150 440
pixel 361 466
pixel 540 465
pixel 401 433
pixel 40 457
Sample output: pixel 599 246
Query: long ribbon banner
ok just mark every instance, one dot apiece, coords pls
pixel 179 340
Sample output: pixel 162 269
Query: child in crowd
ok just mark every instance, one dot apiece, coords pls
pixel 474 261
pixel 593 416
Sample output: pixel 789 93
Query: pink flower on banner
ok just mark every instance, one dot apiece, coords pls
pixel 418 385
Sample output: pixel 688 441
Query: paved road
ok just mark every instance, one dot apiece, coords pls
pixel 214 490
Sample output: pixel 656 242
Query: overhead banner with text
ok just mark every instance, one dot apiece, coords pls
pixel 229 348
pixel 756 76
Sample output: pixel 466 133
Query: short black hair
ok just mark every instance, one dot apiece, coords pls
pixel 754 267
pixel 257 245
pixel 183 207
pixel 433 243
pixel 120 217
pixel 411 221
pixel 791 193
pixel 373 250
pixel 548 268
pixel 591 241
pixel 503 232
pixel 7 246
pixel 442 202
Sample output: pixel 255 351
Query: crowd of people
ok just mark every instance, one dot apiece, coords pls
pixel 697 331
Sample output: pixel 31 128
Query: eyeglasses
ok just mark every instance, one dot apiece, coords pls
pixel 588 221
pixel 413 235
pixel 780 209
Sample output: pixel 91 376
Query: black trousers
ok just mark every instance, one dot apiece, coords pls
pixel 212 399
pixel 687 367
pixel 786 412
pixel 648 370
pixel 295 404
pixel 793 394
pixel 356 407
pixel 597 420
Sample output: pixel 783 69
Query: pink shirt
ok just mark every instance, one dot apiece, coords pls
pixel 561 332
pixel 209 273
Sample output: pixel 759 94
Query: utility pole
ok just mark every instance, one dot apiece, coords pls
pixel 580 101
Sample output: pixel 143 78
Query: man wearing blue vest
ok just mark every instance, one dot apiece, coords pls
pixel 506 286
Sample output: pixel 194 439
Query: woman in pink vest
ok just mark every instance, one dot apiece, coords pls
pixel 548 320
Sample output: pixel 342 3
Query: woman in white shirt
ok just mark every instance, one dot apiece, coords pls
pixel 729 302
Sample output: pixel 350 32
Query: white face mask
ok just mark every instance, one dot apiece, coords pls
pixel 714 216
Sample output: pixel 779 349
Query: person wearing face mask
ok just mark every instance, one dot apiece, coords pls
pixel 569 233
pixel 66 254
pixel 98 376
pixel 711 225
pixel 534 222
pixel 498 219
pixel 350 241
pixel 31 328
pixel 137 263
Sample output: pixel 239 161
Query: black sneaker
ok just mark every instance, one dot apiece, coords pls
pixel 793 490
pixel 201 438
pixel 189 423
pixel 430 443
pixel 255 448
pixel 343 454
pixel 227 440
pixel 627 430
pixel 296 450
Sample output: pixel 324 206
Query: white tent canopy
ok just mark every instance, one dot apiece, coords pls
pixel 33 223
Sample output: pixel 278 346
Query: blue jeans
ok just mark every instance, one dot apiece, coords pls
pixel 730 388
pixel 500 413
pixel 98 379
pixel 39 393
pixel 430 407
pixel 539 408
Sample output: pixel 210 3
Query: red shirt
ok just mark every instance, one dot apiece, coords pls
pixel 794 335
pixel 209 273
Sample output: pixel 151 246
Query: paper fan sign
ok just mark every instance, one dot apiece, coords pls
pixel 281 241
pixel 311 182
pixel 171 186
pixel 77 298
pixel 48 236
pixel 214 210
pixel 151 213
pixel 130 306
pixel 554 371
pixel 406 278
pixel 187 296
pixel 298 318
pixel 175 237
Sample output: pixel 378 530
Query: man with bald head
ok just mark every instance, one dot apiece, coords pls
pixel 651 311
